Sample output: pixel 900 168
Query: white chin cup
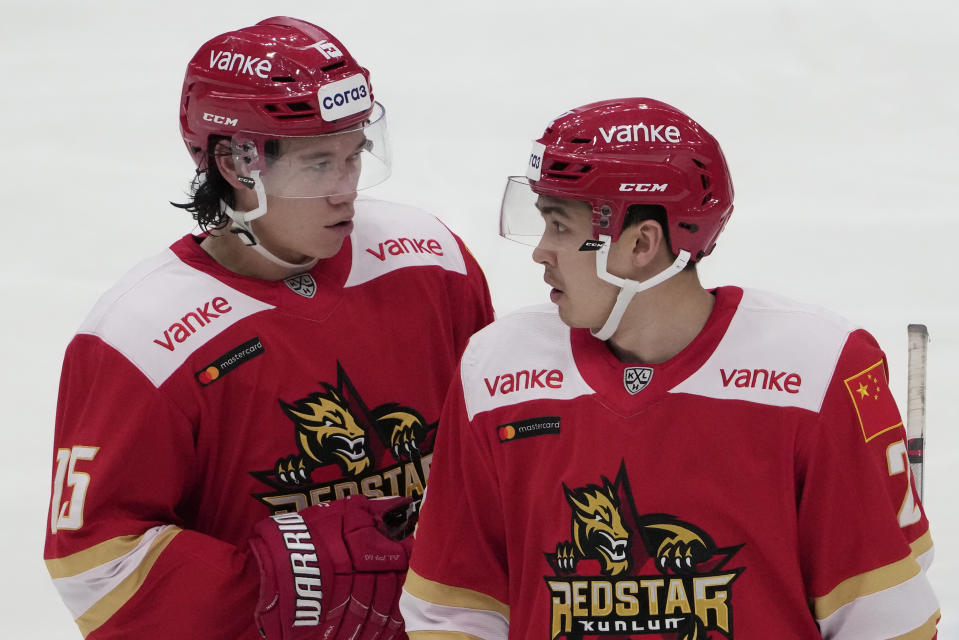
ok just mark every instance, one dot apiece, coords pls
pixel 629 288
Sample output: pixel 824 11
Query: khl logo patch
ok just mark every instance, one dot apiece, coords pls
pixel 302 284
pixel 635 379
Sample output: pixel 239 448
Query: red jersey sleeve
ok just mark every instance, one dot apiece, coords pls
pixel 864 539
pixel 115 546
pixel 447 589
pixel 472 300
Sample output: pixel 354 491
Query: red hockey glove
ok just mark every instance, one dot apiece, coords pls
pixel 333 570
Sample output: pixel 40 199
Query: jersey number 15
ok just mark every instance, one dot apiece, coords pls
pixel 69 514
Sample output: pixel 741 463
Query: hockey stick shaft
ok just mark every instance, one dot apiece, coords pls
pixel 916 402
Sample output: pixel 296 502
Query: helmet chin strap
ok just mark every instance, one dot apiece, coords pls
pixel 242 225
pixel 628 288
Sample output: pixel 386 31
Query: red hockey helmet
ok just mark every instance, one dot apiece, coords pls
pixel 281 77
pixel 616 153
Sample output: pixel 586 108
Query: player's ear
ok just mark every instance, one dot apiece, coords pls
pixel 646 241
pixel 223 154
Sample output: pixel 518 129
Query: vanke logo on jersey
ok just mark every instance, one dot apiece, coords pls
pixel 403 246
pixel 766 379
pixel 506 383
pixel 181 330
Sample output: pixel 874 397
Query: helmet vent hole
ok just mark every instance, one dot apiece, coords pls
pixel 282 79
pixel 689 226
pixel 272 108
pixel 709 196
pixel 585 168
pixel 559 166
pixel 699 164
pixel 581 140
pixel 299 106
pixel 705 180
pixel 330 67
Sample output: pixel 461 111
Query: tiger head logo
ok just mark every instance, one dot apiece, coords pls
pixel 326 431
pixel 634 548
pixel 597 527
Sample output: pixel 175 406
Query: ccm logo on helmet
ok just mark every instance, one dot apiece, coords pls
pixel 344 98
pixel 641 133
pixel 640 186
pixel 211 117
pixel 229 61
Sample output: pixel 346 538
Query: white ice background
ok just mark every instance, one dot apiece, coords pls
pixel 838 119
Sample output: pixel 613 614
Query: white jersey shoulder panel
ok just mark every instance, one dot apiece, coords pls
pixel 775 352
pixel 523 356
pixel 388 236
pixel 162 311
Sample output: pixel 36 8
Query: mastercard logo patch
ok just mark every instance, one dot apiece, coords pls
pixel 548 425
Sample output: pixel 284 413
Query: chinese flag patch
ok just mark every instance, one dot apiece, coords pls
pixel 873 401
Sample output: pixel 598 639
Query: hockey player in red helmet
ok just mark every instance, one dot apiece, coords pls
pixel 662 164
pixel 648 458
pixel 280 118
pixel 239 436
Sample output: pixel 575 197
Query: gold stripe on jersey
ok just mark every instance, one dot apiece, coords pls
pixel 445 595
pixel 97 555
pixel 925 632
pixel 100 612
pixel 922 544
pixel 865 584
pixel 438 635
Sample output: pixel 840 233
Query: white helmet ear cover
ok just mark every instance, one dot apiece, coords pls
pixel 242 227
pixel 628 288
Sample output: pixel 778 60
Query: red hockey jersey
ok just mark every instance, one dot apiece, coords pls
pixel 195 402
pixel 756 485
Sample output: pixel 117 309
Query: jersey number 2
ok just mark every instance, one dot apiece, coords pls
pixel 898 460
pixel 69 514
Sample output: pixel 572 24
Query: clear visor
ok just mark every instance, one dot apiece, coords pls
pixel 519 219
pixel 332 164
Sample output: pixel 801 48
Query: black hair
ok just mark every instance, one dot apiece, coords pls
pixel 637 213
pixel 209 190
